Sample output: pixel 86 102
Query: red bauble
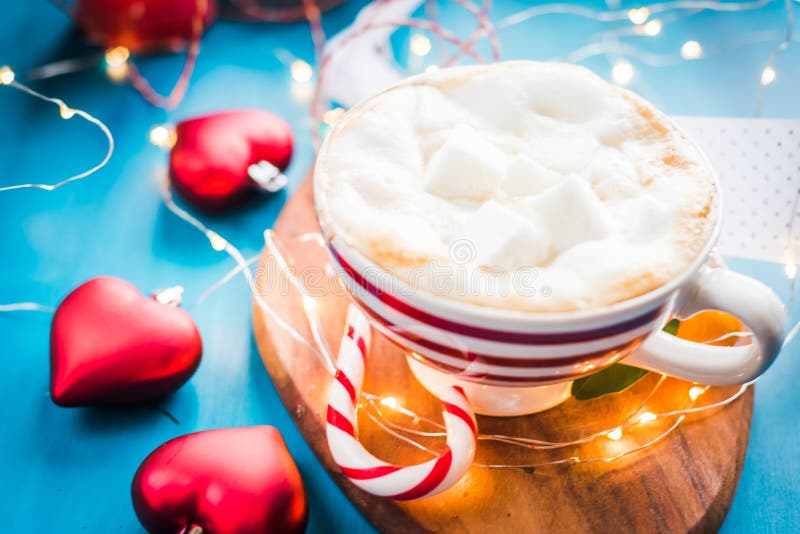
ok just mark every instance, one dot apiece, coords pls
pixel 222 158
pixel 109 344
pixel 143 24
pixel 225 481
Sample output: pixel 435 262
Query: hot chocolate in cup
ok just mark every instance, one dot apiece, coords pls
pixel 518 225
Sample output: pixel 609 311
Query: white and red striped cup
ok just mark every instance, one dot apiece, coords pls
pixel 501 357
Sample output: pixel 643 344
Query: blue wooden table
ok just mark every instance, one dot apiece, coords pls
pixel 69 470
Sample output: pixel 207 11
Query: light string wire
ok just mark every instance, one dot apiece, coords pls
pixel 178 91
pixel 375 402
pixel 314 16
pixel 790 267
pixel 66 112
pixel 369 24
pixel 768 73
pixel 120 66
pixel 665 59
pixel 604 45
pixel 289 13
pixel 622 14
pixel 26 306
pixel 376 406
pixel 220 244
pixel 7 79
pixel 485 29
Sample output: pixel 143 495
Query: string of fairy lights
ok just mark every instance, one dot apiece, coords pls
pixel 646 21
pixel 418 426
pixel 373 407
pixel 8 79
pixel 118 63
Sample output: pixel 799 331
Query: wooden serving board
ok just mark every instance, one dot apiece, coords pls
pixel 683 483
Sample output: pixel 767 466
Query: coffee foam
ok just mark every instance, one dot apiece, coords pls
pixel 539 166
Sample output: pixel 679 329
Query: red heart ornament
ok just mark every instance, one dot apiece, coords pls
pixel 109 344
pixel 224 481
pixel 144 24
pixel 222 158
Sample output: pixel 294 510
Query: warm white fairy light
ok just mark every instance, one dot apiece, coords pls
pixel 768 75
pixel 218 242
pixel 420 45
pixel 389 402
pixel 163 136
pixel 695 392
pixel 790 267
pixel 116 60
pixel 691 50
pixel 332 116
pixel 622 72
pixel 6 75
pixel 118 73
pixel 647 417
pixel 117 56
pixel 638 16
pixel 65 111
pixel 615 434
pixel 309 303
pixel 652 28
pixel 301 71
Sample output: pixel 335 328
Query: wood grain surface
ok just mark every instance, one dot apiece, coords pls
pixel 684 483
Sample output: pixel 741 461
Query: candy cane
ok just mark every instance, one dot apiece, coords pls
pixel 365 470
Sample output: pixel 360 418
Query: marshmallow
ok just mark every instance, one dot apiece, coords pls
pixel 642 219
pixel 500 114
pixel 564 154
pixel 525 176
pixel 613 176
pixel 467 166
pixel 570 213
pixel 503 239
pixel 563 96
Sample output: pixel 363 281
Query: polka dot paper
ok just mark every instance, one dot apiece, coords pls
pixel 758 162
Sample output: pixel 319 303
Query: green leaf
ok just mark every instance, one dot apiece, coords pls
pixel 612 379
pixel 615 378
pixel 672 327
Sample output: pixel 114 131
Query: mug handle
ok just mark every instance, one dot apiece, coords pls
pixel 719 289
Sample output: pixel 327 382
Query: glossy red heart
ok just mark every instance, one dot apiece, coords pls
pixel 210 162
pixel 143 24
pixel 109 344
pixel 224 481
